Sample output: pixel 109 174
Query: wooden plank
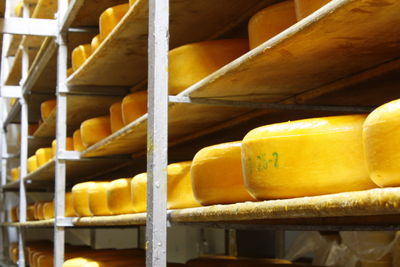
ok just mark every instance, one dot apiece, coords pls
pixel 116 220
pixel 79 108
pixel 15 75
pixel 127 44
pixel 14 45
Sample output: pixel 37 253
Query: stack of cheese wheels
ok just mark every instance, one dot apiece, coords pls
pixel 95 130
pixel 43 155
pixel 80 199
pixel 217 176
pixel 225 261
pixel 77 140
pixel 119 196
pixel 191 63
pixel 96 41
pixel 69 143
pixel 134 106
pixel 180 192
pixel 79 55
pixel 381 135
pixel 15 174
pixel 32 164
pixel 47 107
pixel 35 248
pixel 116 120
pixel 110 18
pixel 98 204
pixel 306 158
pixel 271 21
pixel 307 7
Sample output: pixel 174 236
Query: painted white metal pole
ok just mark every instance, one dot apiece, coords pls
pixel 157 141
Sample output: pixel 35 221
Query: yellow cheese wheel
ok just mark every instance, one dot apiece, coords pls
pixel 69 142
pixel 116 117
pixel 13 252
pixel 96 41
pixel 32 164
pixel 307 7
pixel 77 140
pixel 18 9
pixel 69 205
pixel 381 135
pixel 80 54
pixel 191 63
pixel 306 158
pixel 139 192
pixel 98 199
pixel 209 165
pixel 15 174
pixel 48 210
pixel 38 211
pixel 30 212
pixel 132 2
pixel 119 196
pixel 271 21
pixel 47 107
pixel 95 130
pixel 110 18
pixel 43 155
pixel 80 199
pixel 45 260
pixel 228 261
pixel 134 106
pixel 32 128
pixel 70 71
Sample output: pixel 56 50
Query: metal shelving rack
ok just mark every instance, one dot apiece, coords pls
pixel 270 215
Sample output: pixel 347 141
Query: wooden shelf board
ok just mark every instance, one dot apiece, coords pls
pixel 330 59
pixel 115 220
pixel 127 45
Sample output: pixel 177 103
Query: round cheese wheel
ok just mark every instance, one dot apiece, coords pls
pixel 98 199
pixel 43 155
pixel 38 211
pixel 45 260
pixel 15 174
pixel 77 140
pixel 307 7
pixel 48 210
pixel 119 196
pixel 80 199
pixel 381 137
pixel 32 164
pixel 116 117
pixel 69 205
pixel 69 142
pixel 132 2
pixel 13 252
pixel 110 18
pixel 134 106
pixel 95 130
pixel 79 55
pixel 191 63
pixel 139 192
pixel 306 158
pixel 209 165
pixel 30 212
pixel 96 41
pixel 18 9
pixel 271 21
pixel 47 107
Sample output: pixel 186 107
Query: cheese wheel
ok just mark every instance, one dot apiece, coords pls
pixel 95 130
pixel 119 196
pixel 14 214
pixel 209 165
pixel 307 7
pixel 18 9
pixel 32 128
pixel 110 18
pixel 98 199
pixel 116 117
pixel 191 63
pixel 381 135
pixel 80 199
pixel 48 210
pixel 38 211
pixel 45 260
pixel 32 164
pixel 306 158
pixel 69 205
pixel 30 212
pixel 134 106
pixel 77 140
pixel 271 21
pixel 139 192
pixel 47 107
pixel 96 41
pixel 15 174
pixel 70 71
pixel 43 155
pixel 69 142
pixel 13 252
pixel 132 2
pixel 75 262
pixel 228 261
pixel 80 54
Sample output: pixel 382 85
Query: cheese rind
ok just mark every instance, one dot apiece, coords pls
pixel 271 21
pixel 139 192
pixel 47 107
pixel 69 205
pixel 32 164
pixel 43 155
pixel 30 212
pixel 134 106
pixel 80 199
pixel 191 63
pixel 381 138
pixel 116 117
pixel 48 210
pixel 77 140
pixel 306 158
pixel 110 18
pixel 95 130
pixel 69 143
pixel 307 7
pixel 98 199
pixel 119 196
pixel 217 176
pixel 79 55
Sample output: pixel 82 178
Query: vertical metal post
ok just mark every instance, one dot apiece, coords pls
pixel 157 144
pixel 61 135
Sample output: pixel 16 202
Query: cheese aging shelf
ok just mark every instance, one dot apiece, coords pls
pixel 318 66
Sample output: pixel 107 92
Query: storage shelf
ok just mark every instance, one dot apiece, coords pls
pixel 321 44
